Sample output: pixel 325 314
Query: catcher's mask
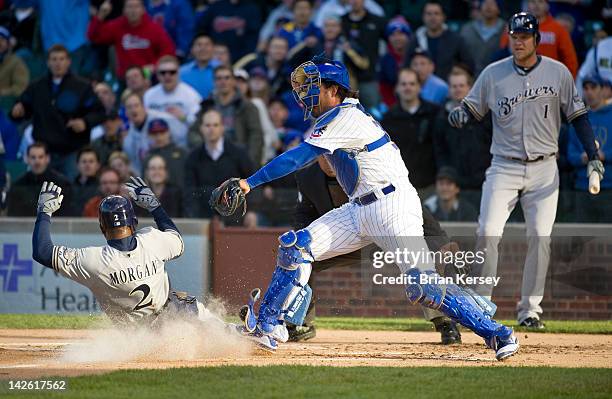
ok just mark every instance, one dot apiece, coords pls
pixel 306 84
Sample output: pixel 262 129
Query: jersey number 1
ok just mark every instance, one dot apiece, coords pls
pixel 145 289
pixel 546 111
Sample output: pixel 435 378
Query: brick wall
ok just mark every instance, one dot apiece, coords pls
pixel 578 287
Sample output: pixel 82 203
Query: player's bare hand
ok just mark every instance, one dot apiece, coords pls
pixel 142 194
pixel 77 125
pixel 50 198
pixel 18 111
pixel 458 117
pixel 244 186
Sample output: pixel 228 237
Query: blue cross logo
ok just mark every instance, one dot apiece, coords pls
pixel 11 267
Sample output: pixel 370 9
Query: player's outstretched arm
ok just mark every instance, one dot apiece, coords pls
pixel 49 201
pixel 585 134
pixel 144 197
pixel 284 164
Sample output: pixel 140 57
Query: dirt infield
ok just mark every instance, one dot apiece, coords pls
pixel 37 353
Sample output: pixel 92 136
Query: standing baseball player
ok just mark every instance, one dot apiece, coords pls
pixel 525 94
pixel 383 208
pixel 127 276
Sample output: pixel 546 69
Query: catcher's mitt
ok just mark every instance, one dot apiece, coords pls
pixel 228 197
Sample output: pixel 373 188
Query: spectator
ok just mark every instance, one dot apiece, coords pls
pixel 199 72
pixel 338 8
pixel 171 95
pixel 214 162
pixel 221 54
pixel 240 117
pixel 272 61
pixel 409 124
pixel 598 61
pixel 600 116
pixel 21 19
pixel 366 29
pixel 162 145
pixel 85 185
pixel 398 36
pixel 452 147
pixel 446 47
pixel 244 82
pixel 23 195
pixel 482 35
pixel 233 22
pixel 337 47
pixel 136 81
pixel 279 16
pixel 63 108
pixel 287 138
pixel 136 38
pixel 120 162
pixel 445 205
pixel 410 10
pixel 177 18
pixel 107 96
pixel 433 89
pixel 303 37
pixel 110 140
pixel 14 74
pixel 65 22
pixel 110 184
pixel 136 143
pixel 169 194
pixel 555 41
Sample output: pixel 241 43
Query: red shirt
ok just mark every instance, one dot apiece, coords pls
pixel 140 45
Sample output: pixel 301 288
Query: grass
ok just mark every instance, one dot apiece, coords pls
pixel 338 382
pixel 37 321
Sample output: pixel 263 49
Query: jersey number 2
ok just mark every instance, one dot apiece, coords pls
pixel 145 289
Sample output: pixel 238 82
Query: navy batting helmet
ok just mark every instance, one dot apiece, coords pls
pixel 116 211
pixel 526 23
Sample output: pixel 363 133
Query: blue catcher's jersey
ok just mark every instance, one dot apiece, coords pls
pixel 346 131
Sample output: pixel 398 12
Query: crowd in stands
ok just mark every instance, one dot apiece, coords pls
pixel 188 93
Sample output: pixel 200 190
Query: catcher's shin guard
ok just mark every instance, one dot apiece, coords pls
pixel 288 293
pixel 455 302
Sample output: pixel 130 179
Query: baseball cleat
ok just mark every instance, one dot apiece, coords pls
pixel 449 333
pixel 262 341
pixel 532 323
pixel 504 347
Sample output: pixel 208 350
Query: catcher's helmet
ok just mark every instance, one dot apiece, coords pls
pixel 306 80
pixel 116 211
pixel 525 22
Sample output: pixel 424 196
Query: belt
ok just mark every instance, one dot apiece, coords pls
pixel 369 198
pixel 536 159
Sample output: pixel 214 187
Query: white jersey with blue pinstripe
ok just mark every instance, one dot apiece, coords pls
pixel 347 128
pixel 127 285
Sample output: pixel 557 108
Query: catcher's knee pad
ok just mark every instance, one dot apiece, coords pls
pixel 288 294
pixel 462 305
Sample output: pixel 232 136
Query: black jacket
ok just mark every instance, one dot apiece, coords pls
pixel 365 34
pixel 467 150
pixel 23 196
pixel 175 162
pixel 316 200
pixel 413 135
pixel 172 201
pixel 81 193
pixel 203 175
pixel 74 98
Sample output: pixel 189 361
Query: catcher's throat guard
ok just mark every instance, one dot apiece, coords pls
pixel 306 85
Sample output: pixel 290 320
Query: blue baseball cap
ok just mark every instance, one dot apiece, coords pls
pixel 158 126
pixel 593 79
pixel 398 23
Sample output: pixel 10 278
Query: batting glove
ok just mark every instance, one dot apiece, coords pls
pixel 458 117
pixel 595 165
pixel 50 198
pixel 141 194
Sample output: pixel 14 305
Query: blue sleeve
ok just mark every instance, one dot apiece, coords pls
pixel 42 246
pixel 2 172
pixel 162 220
pixel 186 26
pixel 584 131
pixel 285 164
pixel 574 150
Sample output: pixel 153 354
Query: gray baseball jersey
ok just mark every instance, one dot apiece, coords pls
pixel 526 107
pixel 128 285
